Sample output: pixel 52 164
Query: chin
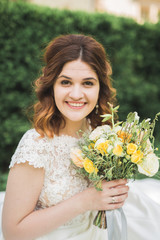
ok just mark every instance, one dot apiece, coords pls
pixel 75 118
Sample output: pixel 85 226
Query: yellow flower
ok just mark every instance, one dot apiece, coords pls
pixel 88 165
pixel 91 145
pixel 95 170
pixel 137 157
pixel 76 156
pixel 102 147
pixel 131 148
pixel 118 150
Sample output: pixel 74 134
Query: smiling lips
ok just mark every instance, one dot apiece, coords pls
pixel 76 105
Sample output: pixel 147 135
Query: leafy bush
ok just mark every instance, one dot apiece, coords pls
pixel 25 31
pixel 3 181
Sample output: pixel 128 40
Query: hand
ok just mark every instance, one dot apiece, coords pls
pixel 113 195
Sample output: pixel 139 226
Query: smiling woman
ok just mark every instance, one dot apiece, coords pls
pixel 46 198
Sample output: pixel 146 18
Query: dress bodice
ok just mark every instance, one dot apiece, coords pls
pixel 61 179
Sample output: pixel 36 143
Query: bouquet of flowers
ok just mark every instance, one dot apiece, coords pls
pixel 116 152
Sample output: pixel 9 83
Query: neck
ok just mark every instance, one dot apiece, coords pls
pixel 72 128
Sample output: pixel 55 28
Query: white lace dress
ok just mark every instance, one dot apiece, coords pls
pixel 60 183
pixel 142 208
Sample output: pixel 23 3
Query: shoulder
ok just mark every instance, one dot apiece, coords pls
pixel 32 149
pixel 33 139
pixel 31 134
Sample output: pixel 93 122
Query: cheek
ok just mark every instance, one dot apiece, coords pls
pixel 93 98
pixel 94 95
pixel 59 94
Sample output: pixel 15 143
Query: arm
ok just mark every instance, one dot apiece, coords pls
pixel 25 182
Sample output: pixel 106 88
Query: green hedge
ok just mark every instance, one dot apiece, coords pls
pixel 26 29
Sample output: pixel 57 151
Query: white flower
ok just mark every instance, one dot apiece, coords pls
pixel 149 148
pixel 97 132
pixel 118 142
pixel 150 165
pixel 136 117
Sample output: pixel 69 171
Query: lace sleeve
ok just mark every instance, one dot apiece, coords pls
pixel 29 150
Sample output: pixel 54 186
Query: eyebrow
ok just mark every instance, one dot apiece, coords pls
pixel 89 78
pixel 64 77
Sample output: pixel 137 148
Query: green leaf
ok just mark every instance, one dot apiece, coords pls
pixel 98 185
pixel 116 108
pixel 118 123
pixel 106 117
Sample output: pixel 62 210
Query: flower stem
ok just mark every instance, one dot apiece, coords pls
pixel 100 220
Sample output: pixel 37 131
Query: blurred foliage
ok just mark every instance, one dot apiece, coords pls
pixel 3 181
pixel 26 30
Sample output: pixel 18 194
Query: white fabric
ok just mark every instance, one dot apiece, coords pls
pixel 83 231
pixel 62 181
pixel 142 209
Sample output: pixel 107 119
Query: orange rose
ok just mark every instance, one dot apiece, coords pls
pixel 76 156
pixel 124 136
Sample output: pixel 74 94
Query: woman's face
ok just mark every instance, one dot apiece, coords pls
pixel 76 90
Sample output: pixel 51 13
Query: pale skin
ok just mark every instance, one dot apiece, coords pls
pixel 25 182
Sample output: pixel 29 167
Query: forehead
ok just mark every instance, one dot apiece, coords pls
pixel 78 67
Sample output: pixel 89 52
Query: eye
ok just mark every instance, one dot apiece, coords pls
pixel 65 82
pixel 88 83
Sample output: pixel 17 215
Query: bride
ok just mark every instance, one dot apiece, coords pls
pixel 45 197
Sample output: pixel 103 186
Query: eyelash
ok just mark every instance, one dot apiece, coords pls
pixel 65 82
pixel 87 83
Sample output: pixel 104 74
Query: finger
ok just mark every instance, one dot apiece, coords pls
pixel 118 190
pixel 115 183
pixel 114 206
pixel 118 199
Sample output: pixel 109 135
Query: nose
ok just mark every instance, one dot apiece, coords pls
pixel 76 92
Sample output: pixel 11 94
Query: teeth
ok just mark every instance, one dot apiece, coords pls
pixel 76 104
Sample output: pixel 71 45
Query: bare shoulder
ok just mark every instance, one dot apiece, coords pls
pixel 24 177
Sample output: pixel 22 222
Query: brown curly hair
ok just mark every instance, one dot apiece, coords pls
pixel 47 119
